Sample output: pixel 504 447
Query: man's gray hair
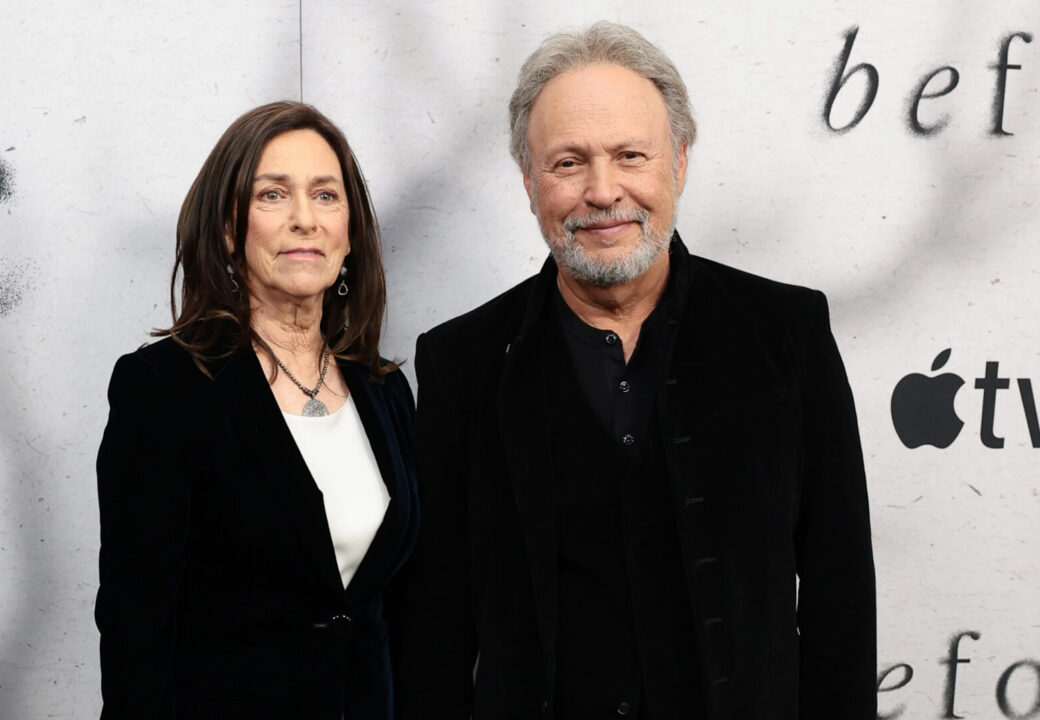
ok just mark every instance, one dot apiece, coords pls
pixel 604 42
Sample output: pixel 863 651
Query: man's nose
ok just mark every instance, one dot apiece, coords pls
pixel 603 188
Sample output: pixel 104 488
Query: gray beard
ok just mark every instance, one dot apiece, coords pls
pixel 572 257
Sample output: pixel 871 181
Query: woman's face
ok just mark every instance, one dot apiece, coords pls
pixel 297 237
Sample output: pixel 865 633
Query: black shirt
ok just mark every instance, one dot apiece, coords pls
pixel 625 636
pixel 621 397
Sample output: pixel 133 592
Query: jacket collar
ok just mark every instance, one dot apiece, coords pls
pixel 716 339
pixel 392 540
pixel 250 407
pixel 523 411
pixel 713 340
pixel 680 272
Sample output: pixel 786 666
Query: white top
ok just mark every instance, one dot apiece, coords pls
pixel 339 456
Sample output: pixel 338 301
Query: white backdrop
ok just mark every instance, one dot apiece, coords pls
pixel 922 243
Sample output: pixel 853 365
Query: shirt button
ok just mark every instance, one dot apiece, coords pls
pixel 610 339
pixel 628 439
pixel 623 709
pixel 623 386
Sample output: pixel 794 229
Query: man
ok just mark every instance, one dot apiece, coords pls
pixel 626 461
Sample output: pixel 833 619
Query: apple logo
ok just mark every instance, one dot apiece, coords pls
pixel 922 407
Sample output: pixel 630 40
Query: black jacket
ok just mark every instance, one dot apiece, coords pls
pixel 766 471
pixel 220 593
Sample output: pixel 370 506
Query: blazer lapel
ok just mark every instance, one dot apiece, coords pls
pixel 257 420
pixel 719 364
pixel 719 367
pixel 384 553
pixel 523 415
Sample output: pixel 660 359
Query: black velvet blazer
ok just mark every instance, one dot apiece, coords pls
pixel 759 432
pixel 220 594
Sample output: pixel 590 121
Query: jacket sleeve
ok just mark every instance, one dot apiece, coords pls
pixel 836 599
pixel 428 606
pixel 143 494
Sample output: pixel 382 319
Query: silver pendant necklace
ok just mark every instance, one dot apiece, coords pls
pixel 313 407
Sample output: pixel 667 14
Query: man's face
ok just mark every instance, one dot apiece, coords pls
pixel 603 180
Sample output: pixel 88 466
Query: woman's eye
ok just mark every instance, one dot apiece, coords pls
pixel 327 195
pixel 269 195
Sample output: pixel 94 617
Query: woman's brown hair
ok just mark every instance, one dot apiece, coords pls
pixel 213 319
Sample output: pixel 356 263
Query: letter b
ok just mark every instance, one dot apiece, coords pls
pixel 840 77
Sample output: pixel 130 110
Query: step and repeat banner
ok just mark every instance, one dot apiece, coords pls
pixel 885 152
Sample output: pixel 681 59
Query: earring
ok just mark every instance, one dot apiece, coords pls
pixel 342 290
pixel 231 275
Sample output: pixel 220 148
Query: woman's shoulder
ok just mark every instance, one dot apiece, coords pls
pixel 160 357
pixel 164 362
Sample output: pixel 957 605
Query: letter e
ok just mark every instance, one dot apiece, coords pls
pixel 908 674
pixel 919 94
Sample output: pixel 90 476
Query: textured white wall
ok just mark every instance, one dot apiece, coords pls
pixel 921 243
pixel 110 109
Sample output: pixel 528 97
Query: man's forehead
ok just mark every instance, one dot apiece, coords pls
pixel 605 105
pixel 598 82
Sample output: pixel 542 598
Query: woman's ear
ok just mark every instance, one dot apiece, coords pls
pixel 229 237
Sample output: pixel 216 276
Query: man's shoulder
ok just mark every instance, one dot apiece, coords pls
pixel 754 296
pixel 487 323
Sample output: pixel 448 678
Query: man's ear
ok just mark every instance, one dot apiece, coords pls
pixel 680 169
pixel 528 186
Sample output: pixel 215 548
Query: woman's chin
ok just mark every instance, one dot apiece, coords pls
pixel 295 293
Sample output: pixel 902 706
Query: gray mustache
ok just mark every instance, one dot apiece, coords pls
pixel 639 215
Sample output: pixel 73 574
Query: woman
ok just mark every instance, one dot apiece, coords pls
pixel 256 481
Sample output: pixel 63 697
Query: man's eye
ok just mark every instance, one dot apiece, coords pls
pixel 327 195
pixel 567 163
